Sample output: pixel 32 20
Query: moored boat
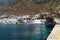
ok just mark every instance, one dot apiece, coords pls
pixel 50 22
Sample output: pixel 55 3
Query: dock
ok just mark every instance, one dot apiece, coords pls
pixel 55 34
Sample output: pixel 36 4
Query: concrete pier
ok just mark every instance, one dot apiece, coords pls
pixel 55 34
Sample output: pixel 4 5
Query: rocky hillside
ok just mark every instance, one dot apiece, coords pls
pixel 28 7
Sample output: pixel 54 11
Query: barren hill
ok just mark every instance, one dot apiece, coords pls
pixel 28 7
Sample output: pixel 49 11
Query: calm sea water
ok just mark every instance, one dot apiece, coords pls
pixel 23 32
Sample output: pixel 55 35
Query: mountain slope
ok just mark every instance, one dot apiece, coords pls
pixel 29 7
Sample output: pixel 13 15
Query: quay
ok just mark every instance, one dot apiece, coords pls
pixel 55 34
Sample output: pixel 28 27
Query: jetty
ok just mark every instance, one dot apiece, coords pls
pixel 55 34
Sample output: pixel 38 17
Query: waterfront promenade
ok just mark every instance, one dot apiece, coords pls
pixel 55 34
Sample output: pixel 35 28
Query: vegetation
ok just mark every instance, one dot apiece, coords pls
pixel 42 16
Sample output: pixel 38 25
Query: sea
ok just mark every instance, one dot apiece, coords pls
pixel 24 32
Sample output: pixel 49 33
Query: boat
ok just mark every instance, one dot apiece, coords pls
pixel 50 22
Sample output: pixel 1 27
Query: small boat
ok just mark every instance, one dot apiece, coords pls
pixel 50 22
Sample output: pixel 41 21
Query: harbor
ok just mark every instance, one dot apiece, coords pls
pixel 29 19
pixel 24 32
pixel 55 34
pixel 24 19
